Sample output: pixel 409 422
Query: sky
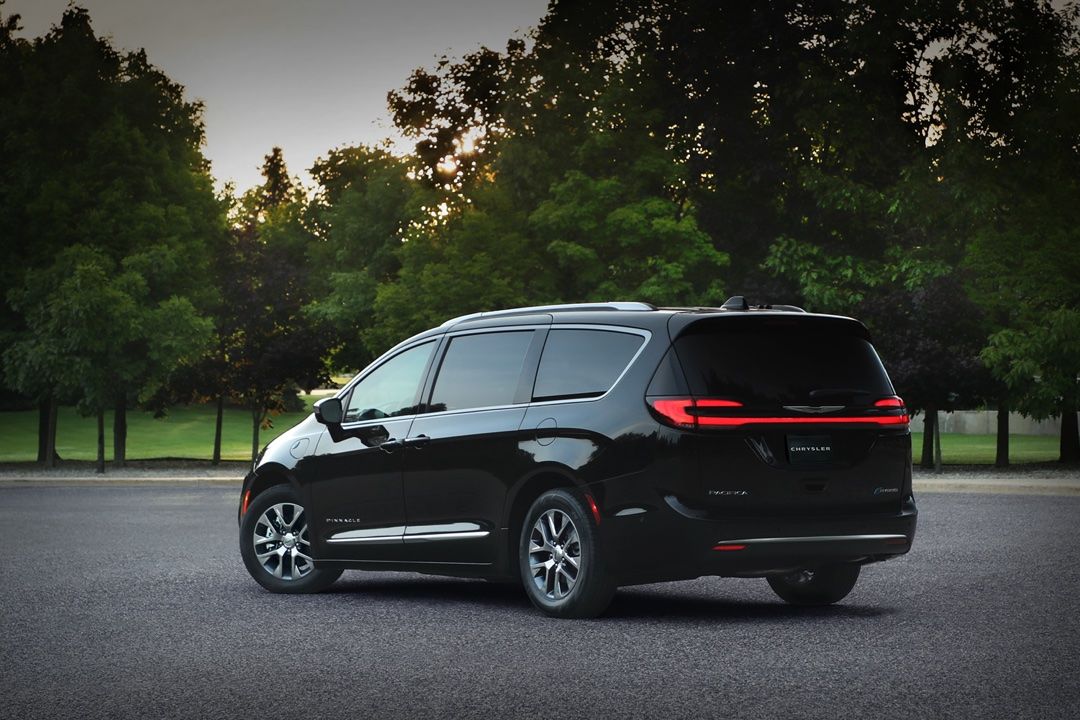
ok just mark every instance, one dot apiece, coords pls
pixel 307 75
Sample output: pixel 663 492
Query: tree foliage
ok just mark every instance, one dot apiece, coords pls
pixel 107 210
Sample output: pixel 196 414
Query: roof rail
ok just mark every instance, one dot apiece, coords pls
pixel 631 306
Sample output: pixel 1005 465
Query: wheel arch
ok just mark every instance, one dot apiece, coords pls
pixel 267 476
pixel 522 497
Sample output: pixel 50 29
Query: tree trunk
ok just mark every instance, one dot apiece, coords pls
pixel 1002 457
pixel 42 430
pixel 1070 440
pixel 929 426
pixel 256 424
pixel 51 455
pixel 937 445
pixel 217 431
pixel 101 441
pixel 120 432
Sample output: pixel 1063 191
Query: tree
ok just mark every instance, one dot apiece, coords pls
pixel 930 338
pixel 551 157
pixel 1015 88
pixel 81 309
pixel 102 152
pixel 1040 364
pixel 366 203
pixel 267 345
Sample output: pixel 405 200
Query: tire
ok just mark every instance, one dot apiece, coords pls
pixel 275 553
pixel 561 563
pixel 822 586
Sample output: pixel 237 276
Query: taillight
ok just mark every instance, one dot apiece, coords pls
pixel 675 411
pixel 681 412
pixel 694 413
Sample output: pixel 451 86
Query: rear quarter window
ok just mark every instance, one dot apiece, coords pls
pixel 583 363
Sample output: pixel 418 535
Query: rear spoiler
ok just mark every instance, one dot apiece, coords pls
pixel 681 322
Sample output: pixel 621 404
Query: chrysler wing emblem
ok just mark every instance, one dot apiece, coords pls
pixel 814 409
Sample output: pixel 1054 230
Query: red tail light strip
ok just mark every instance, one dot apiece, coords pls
pixel 708 402
pixel 735 421
pixel 681 412
pixel 728 548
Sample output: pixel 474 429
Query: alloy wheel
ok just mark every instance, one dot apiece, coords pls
pixel 554 554
pixel 281 542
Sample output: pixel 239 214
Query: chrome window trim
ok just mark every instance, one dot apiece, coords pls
pixel 343 393
pixel 382 360
pixel 645 334
pixel 437 368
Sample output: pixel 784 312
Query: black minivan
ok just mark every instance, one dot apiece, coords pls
pixel 577 448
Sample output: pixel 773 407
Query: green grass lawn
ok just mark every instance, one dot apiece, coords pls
pixel 188 432
pixel 980 449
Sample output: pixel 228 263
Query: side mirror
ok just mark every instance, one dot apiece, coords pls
pixel 329 411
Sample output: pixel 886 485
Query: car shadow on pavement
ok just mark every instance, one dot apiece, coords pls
pixel 630 603
pixel 633 604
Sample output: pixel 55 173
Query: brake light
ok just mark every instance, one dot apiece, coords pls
pixel 728 548
pixel 675 411
pixel 890 402
pixel 709 402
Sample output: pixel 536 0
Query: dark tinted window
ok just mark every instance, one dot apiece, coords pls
pixel 391 388
pixel 583 363
pixel 782 362
pixel 480 370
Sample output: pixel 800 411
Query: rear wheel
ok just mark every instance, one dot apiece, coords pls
pixel 561 564
pixel 275 546
pixel 821 586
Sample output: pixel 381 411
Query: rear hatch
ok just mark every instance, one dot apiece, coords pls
pixel 787 413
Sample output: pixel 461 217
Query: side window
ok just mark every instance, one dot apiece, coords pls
pixel 583 363
pixel 391 388
pixel 480 370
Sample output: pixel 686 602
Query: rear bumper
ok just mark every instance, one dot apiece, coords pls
pixel 672 542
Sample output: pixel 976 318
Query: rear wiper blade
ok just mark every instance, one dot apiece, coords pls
pixel 837 392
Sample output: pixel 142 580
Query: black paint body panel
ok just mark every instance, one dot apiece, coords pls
pixel 470 472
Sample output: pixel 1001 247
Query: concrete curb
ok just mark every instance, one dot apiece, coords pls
pixel 995 488
pixel 99 480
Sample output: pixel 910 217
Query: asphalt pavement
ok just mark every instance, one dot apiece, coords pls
pixel 131 601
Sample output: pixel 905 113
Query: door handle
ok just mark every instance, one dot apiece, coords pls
pixel 391 445
pixel 418 441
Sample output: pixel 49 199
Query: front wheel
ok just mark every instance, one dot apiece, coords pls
pixel 821 586
pixel 275 546
pixel 561 564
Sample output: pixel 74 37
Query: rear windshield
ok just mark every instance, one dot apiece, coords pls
pixel 782 362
